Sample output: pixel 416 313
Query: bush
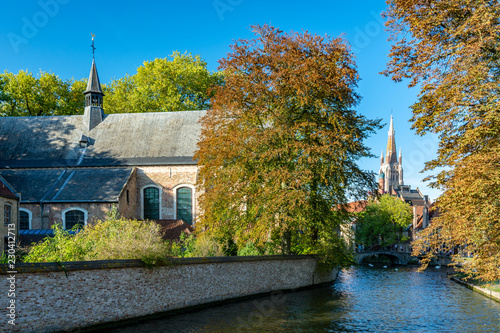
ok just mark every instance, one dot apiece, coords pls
pixel 196 246
pixel 103 240
pixel 250 249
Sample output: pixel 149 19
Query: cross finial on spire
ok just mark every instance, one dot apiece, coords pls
pixel 93 47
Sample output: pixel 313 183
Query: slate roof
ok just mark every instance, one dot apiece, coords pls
pixel 6 190
pixel 30 236
pixel 69 185
pixel 161 138
pixel 413 195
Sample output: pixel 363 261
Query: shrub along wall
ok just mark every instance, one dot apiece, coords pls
pixel 73 295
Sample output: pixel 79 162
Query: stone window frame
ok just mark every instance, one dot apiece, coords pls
pixel 7 219
pixel 193 201
pixel 160 193
pixel 63 213
pixel 30 217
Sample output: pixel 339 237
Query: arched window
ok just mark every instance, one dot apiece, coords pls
pixel 184 203
pixel 151 203
pixel 24 219
pixel 74 216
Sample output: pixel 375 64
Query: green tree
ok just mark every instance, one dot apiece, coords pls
pixel 383 221
pixel 23 94
pixel 180 83
pixel 279 149
pixel 451 49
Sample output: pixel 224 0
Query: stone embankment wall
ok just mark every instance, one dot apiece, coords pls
pixel 486 292
pixel 54 297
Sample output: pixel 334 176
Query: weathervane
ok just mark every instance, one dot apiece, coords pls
pixel 93 47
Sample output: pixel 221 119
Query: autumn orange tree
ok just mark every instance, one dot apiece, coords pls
pixel 278 150
pixel 451 50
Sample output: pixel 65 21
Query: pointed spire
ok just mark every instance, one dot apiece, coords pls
pixel 93 114
pixel 391 144
pixel 94 85
pixel 93 94
pixel 382 157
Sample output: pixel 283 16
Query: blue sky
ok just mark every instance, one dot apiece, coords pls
pixel 54 35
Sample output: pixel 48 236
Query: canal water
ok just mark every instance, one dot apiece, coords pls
pixel 363 299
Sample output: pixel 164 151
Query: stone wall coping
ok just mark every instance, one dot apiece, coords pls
pixel 129 263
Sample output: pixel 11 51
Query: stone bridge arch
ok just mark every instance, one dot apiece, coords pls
pixel 399 258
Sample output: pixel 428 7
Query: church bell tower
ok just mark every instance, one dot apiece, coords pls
pixel 94 113
pixel 391 169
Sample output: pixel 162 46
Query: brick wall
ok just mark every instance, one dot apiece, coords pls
pixel 89 293
pixel 96 211
pixel 166 177
pixel 36 221
pixel 128 201
pixel 52 212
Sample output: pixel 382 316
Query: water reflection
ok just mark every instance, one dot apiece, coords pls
pixel 362 300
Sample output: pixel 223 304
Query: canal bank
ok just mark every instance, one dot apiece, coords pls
pixel 67 296
pixel 495 295
pixel 362 299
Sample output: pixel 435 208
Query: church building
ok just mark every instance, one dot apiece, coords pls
pixel 72 170
pixel 391 182
pixel 391 169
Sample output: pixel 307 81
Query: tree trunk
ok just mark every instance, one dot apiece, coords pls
pixel 286 243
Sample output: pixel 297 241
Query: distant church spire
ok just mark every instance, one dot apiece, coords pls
pixel 391 170
pixel 391 145
pixel 94 112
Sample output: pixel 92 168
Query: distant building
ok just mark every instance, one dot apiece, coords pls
pixel 71 170
pixel 391 182
pixel 391 169
pixel 9 210
pixel 349 230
